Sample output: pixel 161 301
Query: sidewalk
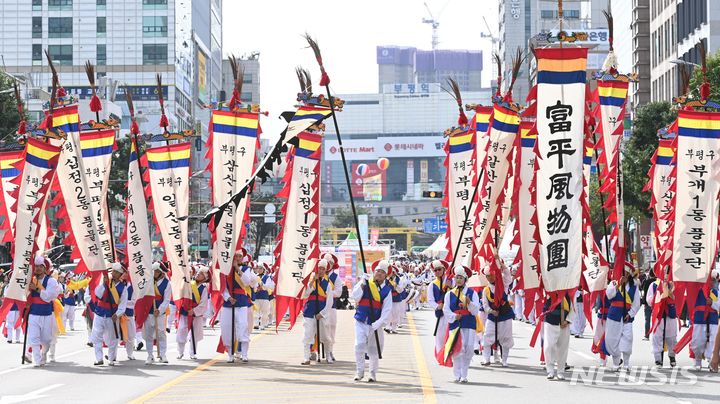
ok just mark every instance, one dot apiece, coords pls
pixel 274 373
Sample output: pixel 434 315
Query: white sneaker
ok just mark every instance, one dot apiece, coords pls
pixel 550 376
pixel 111 363
pixel 149 360
pixel 245 359
pixel 163 359
pixel 358 377
pixel 180 356
pixel 372 377
pixel 561 376
pixel 193 357
pixel 231 359
pixel 464 380
pixel 131 358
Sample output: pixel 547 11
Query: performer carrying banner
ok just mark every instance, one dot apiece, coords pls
pixel 705 321
pixel 110 305
pixel 318 296
pixel 236 303
pixel 374 304
pixel 44 289
pixel 498 332
pixel 624 299
pixel 195 315
pixel 664 335
pixel 336 286
pixel 154 326
pixel 460 306
pixel 436 298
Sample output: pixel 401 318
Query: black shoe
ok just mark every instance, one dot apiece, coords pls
pixel 672 361
pixel 140 346
pixel 98 363
pixel 167 330
pixel 658 364
pixel 567 367
pixel 477 352
pixel 90 344
pixel 621 362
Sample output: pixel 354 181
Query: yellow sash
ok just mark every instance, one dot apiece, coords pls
pixel 57 313
pixel 77 285
pixel 239 281
pixel 114 292
pixel 374 291
pixel 488 296
pixel 123 327
pixel 195 292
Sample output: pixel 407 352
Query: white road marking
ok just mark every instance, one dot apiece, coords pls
pixel 34 395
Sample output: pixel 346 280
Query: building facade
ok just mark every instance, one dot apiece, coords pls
pixel 640 26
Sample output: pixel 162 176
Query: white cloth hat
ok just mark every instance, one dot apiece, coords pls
pixel 39 260
pixel 462 271
pixel 323 263
pixel 117 267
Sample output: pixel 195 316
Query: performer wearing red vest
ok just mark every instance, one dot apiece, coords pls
pixel 110 304
pixel 43 291
pixel 705 322
pixel 155 322
pixel 236 297
pixel 460 306
pixel 199 292
pixel 318 303
pixel 436 298
pixel 374 304
pixel 624 297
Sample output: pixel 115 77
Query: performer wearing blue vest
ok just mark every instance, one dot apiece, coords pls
pixel 43 291
pixel 199 292
pixel 10 321
pixel 372 295
pixel 624 298
pixel 318 302
pixel 262 296
pixel 398 283
pixel 129 317
pixel 237 298
pixel 110 304
pixel 500 315
pixel 460 307
pixel 705 322
pixel 556 336
pixel 436 298
pixel 154 326
pixel 336 285
pixel 68 302
pixel 660 298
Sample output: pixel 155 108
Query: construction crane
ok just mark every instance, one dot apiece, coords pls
pixel 493 38
pixel 434 23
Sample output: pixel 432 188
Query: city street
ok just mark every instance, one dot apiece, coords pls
pixel 408 373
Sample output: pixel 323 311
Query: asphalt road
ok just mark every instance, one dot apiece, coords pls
pixel 408 373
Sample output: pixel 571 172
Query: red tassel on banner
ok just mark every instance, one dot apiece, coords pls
pixel 95 104
pixel 22 128
pixel 164 121
pixel 61 92
pixel 134 128
pixel 324 78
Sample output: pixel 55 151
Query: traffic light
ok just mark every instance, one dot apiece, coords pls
pixel 417 220
pixel 432 194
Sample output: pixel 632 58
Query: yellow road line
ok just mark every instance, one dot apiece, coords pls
pixel 425 379
pixel 155 392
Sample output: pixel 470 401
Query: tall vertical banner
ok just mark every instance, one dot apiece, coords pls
pixel 298 246
pixel 231 145
pixel 502 141
pixel 137 239
pixel 78 211
pixel 661 197
pixel 168 178
pixel 561 109
pixel 459 187
pixel 37 167
pixel 611 98
pixel 96 148
pixel 8 172
pixel 481 123
pixel 595 266
pixel 693 232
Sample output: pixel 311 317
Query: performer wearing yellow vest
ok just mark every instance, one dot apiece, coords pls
pixel 318 303
pixel 43 291
pixel 155 323
pixel 436 298
pixel 236 297
pixel 111 303
pixel 556 336
pixel 372 295
pixel 336 286
pixel 624 297
pixel 460 307
pixel 199 292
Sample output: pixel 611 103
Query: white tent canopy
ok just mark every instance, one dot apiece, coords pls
pixel 438 249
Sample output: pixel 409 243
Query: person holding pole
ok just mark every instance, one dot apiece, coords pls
pixel 374 305
pixel 110 305
pixel 624 298
pixel 127 320
pixel 336 285
pixel 43 291
pixel 196 315
pixel 705 321
pixel 154 326
pixel 236 303
pixel 318 296
pixel 664 336
pixel 436 298
pixel 460 306
pixel 500 315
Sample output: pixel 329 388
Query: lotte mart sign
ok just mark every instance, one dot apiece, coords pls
pixel 372 149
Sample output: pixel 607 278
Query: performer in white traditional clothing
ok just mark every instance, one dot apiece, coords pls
pixel 436 299
pixel 398 283
pixel 460 307
pixel 128 319
pixel 10 323
pixel 556 336
pixel 336 285
pixel 661 299
pixel 154 326
pixel 705 321
pixel 43 291
pixel 498 328
pixel 199 291
pixel 372 295
pixel 318 296
pixel 236 298
pixel 69 305
pixel 577 328
pixel 262 296
pixel 624 298
pixel 110 304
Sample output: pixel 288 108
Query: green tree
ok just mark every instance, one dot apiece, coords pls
pixel 9 117
pixel 713 76
pixel 344 217
pixel 118 174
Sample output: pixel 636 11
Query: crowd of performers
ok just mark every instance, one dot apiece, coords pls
pixel 470 320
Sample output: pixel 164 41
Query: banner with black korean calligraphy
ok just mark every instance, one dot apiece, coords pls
pixel 298 240
pixel 169 175
pixel 502 141
pixel 76 209
pixel 231 153
pixel 661 198
pixel 38 167
pixel 9 171
pixel 459 187
pixel 695 209
pixel 561 108
pixel 138 243
pixel 481 123
pixel 96 148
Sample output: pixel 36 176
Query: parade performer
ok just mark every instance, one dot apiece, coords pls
pixel 336 286
pixel 153 328
pixel 460 306
pixel 12 326
pixel 318 296
pixel 398 283
pixel 262 296
pixel 498 330
pixel 195 314
pixel 664 329
pixel 374 306
pixel 602 305
pixel 556 336
pixel 110 304
pixel 436 297
pixel 127 320
pixel 577 328
pixel 43 292
pixel 69 304
pixel 705 321
pixel 624 299
pixel 236 303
